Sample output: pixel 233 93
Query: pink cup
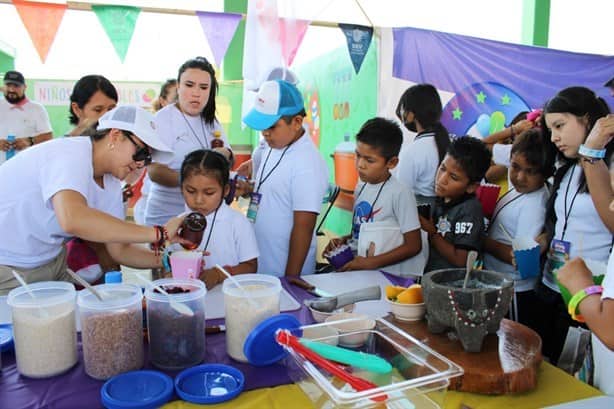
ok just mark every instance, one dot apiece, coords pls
pixel 487 195
pixel 186 264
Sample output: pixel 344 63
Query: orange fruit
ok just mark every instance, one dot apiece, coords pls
pixel 392 291
pixel 412 295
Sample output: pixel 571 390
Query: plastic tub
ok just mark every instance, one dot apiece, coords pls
pixel 111 330
pixel 44 328
pixel 244 311
pixel 176 340
pixel 419 378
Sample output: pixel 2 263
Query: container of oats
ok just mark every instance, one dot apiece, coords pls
pixel 111 329
pixel 44 328
pixel 176 323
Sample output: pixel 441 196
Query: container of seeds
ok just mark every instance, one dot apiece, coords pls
pixel 44 329
pixel 176 323
pixel 111 329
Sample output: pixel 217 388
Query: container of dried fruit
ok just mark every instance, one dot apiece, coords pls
pixel 111 329
pixel 176 338
pixel 44 329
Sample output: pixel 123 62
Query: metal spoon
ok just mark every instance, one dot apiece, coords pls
pixel 18 277
pixel 330 304
pixel 181 308
pixel 471 257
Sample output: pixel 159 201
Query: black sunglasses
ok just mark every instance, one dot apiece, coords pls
pixel 142 153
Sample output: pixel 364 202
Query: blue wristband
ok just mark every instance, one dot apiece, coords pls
pixel 591 153
pixel 165 259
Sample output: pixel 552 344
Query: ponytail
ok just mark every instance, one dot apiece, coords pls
pixel 442 140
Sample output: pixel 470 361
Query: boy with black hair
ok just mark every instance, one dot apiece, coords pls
pixel 456 225
pixel 385 220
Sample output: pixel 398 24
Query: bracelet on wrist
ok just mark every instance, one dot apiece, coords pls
pixel 575 301
pixel 591 153
pixel 31 139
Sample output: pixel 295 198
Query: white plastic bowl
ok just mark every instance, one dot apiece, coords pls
pixel 324 334
pixel 407 312
pixel 352 333
pixel 320 316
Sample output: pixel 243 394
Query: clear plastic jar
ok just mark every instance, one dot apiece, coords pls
pixel 111 330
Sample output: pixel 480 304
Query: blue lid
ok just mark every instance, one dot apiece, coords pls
pixel 260 346
pixel 113 277
pixel 6 337
pixel 209 383
pixel 137 390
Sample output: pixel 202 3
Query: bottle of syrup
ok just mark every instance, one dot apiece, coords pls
pixel 192 230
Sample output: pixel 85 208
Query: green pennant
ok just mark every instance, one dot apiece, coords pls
pixel 118 22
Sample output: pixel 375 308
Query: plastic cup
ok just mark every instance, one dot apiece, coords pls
pixel 111 330
pixel 44 328
pixel 176 340
pixel 244 309
pixel 526 253
pixel 340 256
pixel 186 264
pixel 598 269
pixel 488 194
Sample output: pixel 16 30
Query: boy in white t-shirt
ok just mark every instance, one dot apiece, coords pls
pixel 290 182
pixel 520 212
pixel 381 200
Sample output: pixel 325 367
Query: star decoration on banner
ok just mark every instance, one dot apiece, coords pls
pixel 505 99
pixel 457 114
pixel 481 97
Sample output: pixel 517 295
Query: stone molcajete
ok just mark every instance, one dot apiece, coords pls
pixel 474 311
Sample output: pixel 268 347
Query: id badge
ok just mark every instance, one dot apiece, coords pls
pixel 254 204
pixel 558 254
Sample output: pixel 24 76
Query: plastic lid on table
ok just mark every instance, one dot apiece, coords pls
pixel 6 337
pixel 209 383
pixel 137 390
pixel 260 346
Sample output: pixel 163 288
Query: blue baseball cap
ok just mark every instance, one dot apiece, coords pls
pixel 274 100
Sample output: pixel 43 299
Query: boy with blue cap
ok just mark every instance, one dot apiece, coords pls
pixel 290 182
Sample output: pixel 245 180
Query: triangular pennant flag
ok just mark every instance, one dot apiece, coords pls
pixel 359 39
pixel 118 22
pixel 42 21
pixel 291 34
pixel 219 29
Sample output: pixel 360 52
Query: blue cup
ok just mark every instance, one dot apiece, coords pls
pixel 527 262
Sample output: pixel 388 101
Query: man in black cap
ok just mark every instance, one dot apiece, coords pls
pixel 610 85
pixel 23 123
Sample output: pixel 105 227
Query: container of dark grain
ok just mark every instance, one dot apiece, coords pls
pixel 111 330
pixel 44 328
pixel 176 339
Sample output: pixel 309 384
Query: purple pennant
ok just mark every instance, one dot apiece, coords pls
pixel 219 29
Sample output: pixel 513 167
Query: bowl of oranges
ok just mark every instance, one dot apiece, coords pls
pixel 406 303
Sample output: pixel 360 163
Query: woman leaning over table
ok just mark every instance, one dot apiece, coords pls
pixel 71 187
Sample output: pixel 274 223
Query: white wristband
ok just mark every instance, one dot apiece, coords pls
pixel 591 153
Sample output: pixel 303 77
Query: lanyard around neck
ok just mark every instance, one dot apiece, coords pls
pixel 263 178
pixel 202 126
pixel 567 213
pixel 374 201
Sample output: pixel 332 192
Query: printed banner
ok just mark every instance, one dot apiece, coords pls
pixel 219 29
pixel 118 22
pixel 491 81
pixel 57 93
pixel 358 39
pixel 42 21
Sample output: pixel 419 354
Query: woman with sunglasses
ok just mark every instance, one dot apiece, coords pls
pixel 420 111
pixel 184 126
pixel 71 187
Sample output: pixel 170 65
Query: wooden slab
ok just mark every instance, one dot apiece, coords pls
pixel 508 362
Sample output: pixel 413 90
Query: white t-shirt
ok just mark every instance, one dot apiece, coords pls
pixel 418 165
pixel 298 183
pixel 183 134
pixel 603 357
pixel 28 119
pixel 585 228
pixel 232 240
pixel 31 233
pixel 522 215
pixel 391 202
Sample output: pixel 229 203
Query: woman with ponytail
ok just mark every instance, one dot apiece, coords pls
pixel 578 220
pixel 420 111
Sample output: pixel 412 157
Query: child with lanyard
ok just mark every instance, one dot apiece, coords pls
pixel 291 181
pixel 578 220
pixel 382 199
pixel 419 109
pixel 456 223
pixel 228 239
pixel 520 212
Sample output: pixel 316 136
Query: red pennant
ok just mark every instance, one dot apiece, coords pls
pixel 42 21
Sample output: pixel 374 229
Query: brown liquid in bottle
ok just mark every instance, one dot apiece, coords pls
pixel 192 229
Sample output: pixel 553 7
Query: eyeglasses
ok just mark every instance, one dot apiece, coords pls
pixel 142 153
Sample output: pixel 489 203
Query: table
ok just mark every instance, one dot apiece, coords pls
pixel 265 387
